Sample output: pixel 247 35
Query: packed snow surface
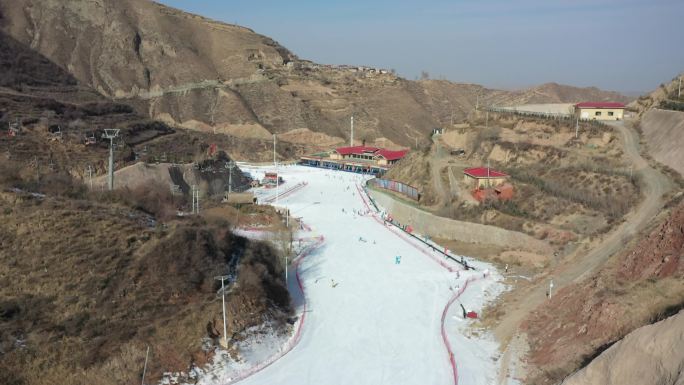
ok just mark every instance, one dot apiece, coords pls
pixel 375 298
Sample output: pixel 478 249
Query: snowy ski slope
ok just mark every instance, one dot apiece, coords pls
pixel 371 320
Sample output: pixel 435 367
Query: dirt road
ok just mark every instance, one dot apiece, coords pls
pixel 581 264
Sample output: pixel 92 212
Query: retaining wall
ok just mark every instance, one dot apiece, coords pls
pixel 445 228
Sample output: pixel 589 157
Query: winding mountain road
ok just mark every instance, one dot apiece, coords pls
pixel 581 264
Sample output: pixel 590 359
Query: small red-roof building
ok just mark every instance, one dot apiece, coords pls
pixel 271 179
pixel 600 110
pixel 483 177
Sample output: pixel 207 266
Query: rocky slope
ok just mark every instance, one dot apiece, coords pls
pixel 197 73
pixel 650 354
pixel 638 286
pixel 666 92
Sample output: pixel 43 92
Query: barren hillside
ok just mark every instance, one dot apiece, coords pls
pixel 650 352
pixel 565 188
pixel 193 72
pixel 559 93
pixel 88 279
pixel 638 286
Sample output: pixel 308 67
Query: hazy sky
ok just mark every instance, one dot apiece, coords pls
pixel 623 45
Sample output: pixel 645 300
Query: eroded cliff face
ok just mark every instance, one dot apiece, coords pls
pixel 649 355
pixel 138 48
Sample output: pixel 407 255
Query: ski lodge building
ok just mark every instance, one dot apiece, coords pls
pixel 364 159
pixel 599 110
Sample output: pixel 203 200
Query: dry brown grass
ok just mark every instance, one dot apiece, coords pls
pixel 86 284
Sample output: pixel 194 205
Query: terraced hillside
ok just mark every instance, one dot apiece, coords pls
pixel 193 72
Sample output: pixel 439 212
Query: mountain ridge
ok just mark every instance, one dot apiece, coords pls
pixel 193 72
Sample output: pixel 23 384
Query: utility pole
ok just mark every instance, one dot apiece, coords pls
pixel 110 134
pixel 145 367
pixel 195 199
pixel 222 278
pixel 489 181
pixel 351 140
pixel 230 166
pixel 576 126
pixel 275 164
pixel 90 176
pixel 679 89
pixel 550 288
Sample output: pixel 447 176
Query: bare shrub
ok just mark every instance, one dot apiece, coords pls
pixel 154 199
pixel 9 174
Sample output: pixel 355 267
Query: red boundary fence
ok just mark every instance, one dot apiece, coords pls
pixel 445 311
pixel 295 340
pixel 298 334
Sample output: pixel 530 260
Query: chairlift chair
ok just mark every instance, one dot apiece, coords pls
pixel 90 140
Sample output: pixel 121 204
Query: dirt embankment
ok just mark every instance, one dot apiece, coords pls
pixel 636 288
pixel 662 132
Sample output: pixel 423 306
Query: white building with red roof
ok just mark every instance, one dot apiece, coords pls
pixel 600 110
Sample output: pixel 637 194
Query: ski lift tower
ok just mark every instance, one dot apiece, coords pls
pixel 111 133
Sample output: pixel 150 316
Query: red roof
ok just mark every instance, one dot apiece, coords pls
pixel 599 105
pixel 392 155
pixel 481 172
pixel 375 151
pixel 356 150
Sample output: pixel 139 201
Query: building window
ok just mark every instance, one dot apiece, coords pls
pixel 610 113
pixel 598 113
